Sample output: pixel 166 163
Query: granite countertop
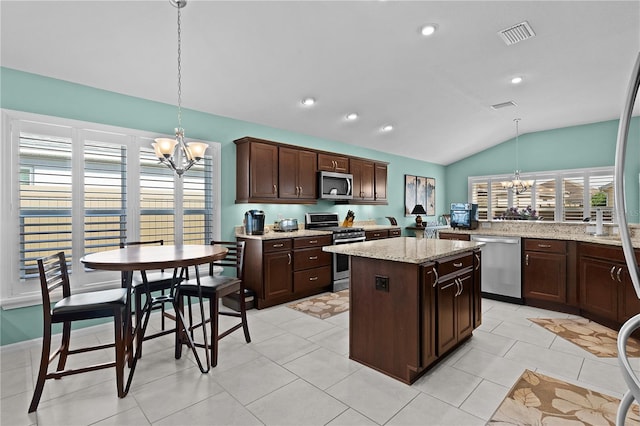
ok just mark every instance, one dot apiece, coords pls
pixel 404 249
pixel 377 227
pixel 550 230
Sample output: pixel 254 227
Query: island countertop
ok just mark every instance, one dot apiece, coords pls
pixel 404 249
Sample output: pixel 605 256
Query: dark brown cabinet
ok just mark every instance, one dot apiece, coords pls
pixel 277 173
pixel 281 270
pixel 545 270
pixel 333 163
pixel 363 179
pixel 605 286
pixel 297 174
pixel 256 172
pixel 377 235
pixel 453 236
pixel 395 232
pixel 455 298
pixel 477 286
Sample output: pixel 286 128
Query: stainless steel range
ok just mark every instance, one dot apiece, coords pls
pixel 340 235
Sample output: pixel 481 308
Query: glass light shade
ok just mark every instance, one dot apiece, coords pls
pixel 197 149
pixel 165 146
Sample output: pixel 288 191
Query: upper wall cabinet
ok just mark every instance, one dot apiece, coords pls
pixel 272 172
pixel 297 174
pixel 333 163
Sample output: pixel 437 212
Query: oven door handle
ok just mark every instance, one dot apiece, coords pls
pixel 349 240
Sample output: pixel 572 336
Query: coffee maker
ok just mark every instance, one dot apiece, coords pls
pixel 254 222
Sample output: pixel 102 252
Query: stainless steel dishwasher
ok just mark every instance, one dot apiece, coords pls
pixel 501 267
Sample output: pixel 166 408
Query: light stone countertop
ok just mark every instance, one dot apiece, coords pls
pixel 550 230
pixel 270 234
pixel 404 249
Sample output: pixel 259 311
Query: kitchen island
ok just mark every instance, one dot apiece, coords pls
pixel 412 301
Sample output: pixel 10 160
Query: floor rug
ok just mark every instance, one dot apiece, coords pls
pixel 589 335
pixel 537 399
pixel 324 306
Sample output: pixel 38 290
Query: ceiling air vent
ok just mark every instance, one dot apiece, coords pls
pixel 516 33
pixel 504 105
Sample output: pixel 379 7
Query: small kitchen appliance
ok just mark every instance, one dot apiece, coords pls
pixel 286 225
pixel 464 215
pixel 335 186
pixel 254 222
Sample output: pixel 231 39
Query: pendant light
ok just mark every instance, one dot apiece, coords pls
pixel 517 185
pixel 175 153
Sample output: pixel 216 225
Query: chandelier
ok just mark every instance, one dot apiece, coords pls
pixel 517 185
pixel 175 153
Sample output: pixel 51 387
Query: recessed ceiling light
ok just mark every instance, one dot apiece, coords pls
pixel 387 128
pixel 428 29
pixel 516 80
pixel 352 116
pixel 308 101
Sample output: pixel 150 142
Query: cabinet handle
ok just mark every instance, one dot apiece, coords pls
pixel 300 193
pixel 526 260
pixel 275 188
pixel 457 265
pixel 313 278
pixel 376 235
pixel 435 282
pixel 464 278
pixel 613 268
pixel 478 258
pixel 278 245
pixel 335 164
pixel 313 257
pixel 289 256
pixel 459 287
pixel 618 274
pixel 449 285
pixel 544 245
pixel 313 241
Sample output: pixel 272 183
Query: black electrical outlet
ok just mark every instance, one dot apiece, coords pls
pixel 382 283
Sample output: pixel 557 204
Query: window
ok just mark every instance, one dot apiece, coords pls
pixel 567 196
pixel 83 187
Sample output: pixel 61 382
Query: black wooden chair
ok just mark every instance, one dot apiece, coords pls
pixel 157 281
pixel 82 306
pixel 214 287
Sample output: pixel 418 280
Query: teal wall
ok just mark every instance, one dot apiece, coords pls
pixel 589 145
pixel 575 147
pixel 37 94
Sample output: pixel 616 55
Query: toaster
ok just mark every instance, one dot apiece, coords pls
pixel 286 225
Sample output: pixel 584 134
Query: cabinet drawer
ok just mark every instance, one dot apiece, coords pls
pixel 453 236
pixel 376 235
pixel 396 232
pixel 276 245
pixel 548 246
pixel 317 241
pixel 310 258
pixel 311 278
pixel 450 265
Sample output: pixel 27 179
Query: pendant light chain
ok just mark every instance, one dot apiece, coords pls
pixel 179 72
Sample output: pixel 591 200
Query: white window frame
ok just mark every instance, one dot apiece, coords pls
pixel 557 174
pixel 15 293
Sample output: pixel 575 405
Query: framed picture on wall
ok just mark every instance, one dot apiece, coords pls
pixel 419 190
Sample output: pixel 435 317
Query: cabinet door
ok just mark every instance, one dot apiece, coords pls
pixel 545 276
pixel 264 171
pixel 447 333
pixel 464 307
pixel 598 287
pixel 307 176
pixel 380 181
pixel 287 173
pixel 428 310
pixel 363 178
pixel 477 286
pixel 278 279
pixel 333 163
pixel 629 304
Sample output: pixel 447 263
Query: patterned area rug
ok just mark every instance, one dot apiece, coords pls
pixel 537 399
pixel 589 335
pixel 324 306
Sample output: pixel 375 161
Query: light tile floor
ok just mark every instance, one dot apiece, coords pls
pixel 296 371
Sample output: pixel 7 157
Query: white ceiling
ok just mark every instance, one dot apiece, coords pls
pixel 255 60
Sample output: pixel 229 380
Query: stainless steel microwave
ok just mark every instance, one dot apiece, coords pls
pixel 335 186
